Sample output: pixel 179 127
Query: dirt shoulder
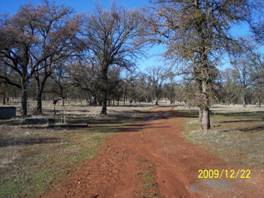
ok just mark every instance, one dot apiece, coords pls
pixel 155 161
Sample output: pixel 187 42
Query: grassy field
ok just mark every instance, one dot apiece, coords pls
pixel 237 134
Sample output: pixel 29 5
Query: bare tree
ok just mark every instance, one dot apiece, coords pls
pixel 257 77
pixel 60 76
pixel 17 39
pixel 157 75
pixel 111 38
pixel 55 30
pixel 35 39
pixel 137 88
pixel 198 31
pixel 230 90
pixel 85 76
pixel 242 67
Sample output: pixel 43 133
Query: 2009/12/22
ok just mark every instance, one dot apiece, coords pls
pixel 224 173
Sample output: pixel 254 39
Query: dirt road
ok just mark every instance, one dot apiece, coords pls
pixel 152 160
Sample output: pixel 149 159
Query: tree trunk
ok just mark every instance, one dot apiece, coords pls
pixel 104 91
pixel 39 98
pixel 200 114
pixel 4 97
pixel 206 119
pixel 40 89
pixel 124 97
pixel 62 94
pixel 205 124
pixel 244 100
pixel 94 101
pixel 63 101
pixel 157 95
pixel 39 102
pixel 104 105
pixel 157 102
pixel 259 101
pixel 124 102
pixel 200 89
pixel 24 98
pixel 4 100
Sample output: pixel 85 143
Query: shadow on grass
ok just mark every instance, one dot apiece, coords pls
pixel 126 128
pixel 28 141
pixel 257 114
pixel 253 129
pixel 239 121
pixel 122 123
pixel 242 121
pixel 128 121
pixel 147 116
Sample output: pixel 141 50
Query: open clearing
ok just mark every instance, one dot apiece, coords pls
pixel 144 152
pixel 132 99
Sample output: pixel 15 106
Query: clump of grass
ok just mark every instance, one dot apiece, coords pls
pixel 148 187
pixel 149 180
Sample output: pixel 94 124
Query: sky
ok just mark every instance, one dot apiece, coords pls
pixel 152 56
pixel 10 6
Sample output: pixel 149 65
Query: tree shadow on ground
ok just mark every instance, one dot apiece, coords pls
pixel 28 141
pixel 251 114
pixel 253 129
pixel 122 123
pixel 116 122
pixel 239 121
pixel 126 128
pixel 242 121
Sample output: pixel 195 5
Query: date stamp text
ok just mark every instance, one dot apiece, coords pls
pixel 224 174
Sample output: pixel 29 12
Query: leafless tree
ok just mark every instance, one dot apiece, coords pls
pixel 157 75
pixel 111 38
pixel 60 76
pixel 85 76
pixel 242 67
pixel 198 31
pixel 34 40
pixel 55 30
pixel 17 39
pixel 257 77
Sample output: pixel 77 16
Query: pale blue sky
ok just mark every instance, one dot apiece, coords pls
pixel 9 6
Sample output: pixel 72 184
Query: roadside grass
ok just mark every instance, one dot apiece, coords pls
pixel 237 137
pixel 29 169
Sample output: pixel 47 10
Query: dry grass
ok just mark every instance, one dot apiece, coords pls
pixel 79 107
pixel 33 160
pixel 237 134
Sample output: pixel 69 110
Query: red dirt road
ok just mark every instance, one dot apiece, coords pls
pixel 127 163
